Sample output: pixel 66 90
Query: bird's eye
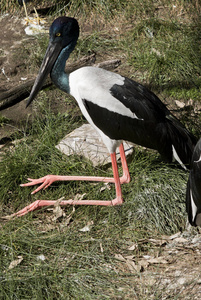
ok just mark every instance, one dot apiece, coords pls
pixel 58 34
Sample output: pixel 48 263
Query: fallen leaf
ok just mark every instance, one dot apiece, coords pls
pixel 180 240
pixel 174 236
pixel 119 257
pixel 87 227
pixel 15 262
pixel 57 210
pixel 157 260
pixel 133 267
pixel 69 217
pixel 180 104
pixel 133 247
pixel 79 197
pixel 191 102
pixel 158 242
pixel 106 186
pixel 131 257
pixel 146 256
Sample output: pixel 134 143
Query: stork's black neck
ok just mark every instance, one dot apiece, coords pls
pixel 58 74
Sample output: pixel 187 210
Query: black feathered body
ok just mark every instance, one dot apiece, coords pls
pixel 122 109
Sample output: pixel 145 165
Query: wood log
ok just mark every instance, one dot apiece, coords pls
pixel 19 93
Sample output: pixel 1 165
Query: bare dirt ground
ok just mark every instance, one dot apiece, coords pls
pixel 175 267
pixel 13 69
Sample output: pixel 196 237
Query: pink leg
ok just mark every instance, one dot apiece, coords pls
pixel 126 176
pixel 49 179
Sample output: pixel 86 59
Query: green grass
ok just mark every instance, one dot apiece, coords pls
pixel 74 265
pixel 82 265
pixel 168 54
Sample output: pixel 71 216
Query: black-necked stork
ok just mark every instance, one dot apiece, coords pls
pixel 193 192
pixel 119 109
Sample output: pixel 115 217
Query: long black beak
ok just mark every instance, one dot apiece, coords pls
pixel 51 55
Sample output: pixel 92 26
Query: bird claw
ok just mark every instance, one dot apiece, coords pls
pixel 46 181
pixel 31 207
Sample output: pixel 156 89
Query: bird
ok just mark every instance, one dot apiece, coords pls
pixel 193 190
pixel 117 107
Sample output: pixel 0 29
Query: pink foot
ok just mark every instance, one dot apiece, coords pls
pixel 46 181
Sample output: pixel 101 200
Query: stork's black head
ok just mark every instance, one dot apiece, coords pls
pixel 64 32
